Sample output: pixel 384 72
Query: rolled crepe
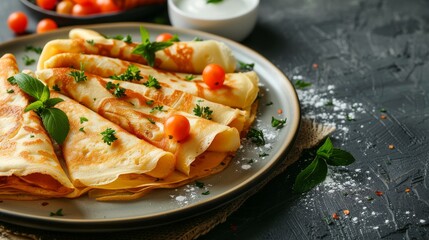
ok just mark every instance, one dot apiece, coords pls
pixel 189 57
pixel 143 120
pixel 239 90
pixel 29 168
pixel 91 162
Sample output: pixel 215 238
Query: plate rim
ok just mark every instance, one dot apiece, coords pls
pixel 179 214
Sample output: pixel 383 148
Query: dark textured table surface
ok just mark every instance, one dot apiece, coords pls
pixel 368 65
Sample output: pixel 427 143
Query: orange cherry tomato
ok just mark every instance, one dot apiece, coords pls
pixel 214 76
pixel 84 2
pixel 177 127
pixel 46 4
pixel 107 6
pixel 17 22
pixel 83 10
pixel 46 25
pixel 164 37
pixel 65 7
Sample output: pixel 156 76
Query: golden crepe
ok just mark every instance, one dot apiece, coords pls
pixel 239 90
pixel 93 162
pixel 145 121
pixel 189 57
pixel 29 168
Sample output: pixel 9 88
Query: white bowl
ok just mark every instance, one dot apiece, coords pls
pixel 234 19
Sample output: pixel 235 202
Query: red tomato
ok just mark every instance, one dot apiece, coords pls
pixel 65 7
pixel 214 76
pixel 46 4
pixel 46 25
pixel 17 22
pixel 177 127
pixel 83 10
pixel 107 6
pixel 164 37
pixel 84 2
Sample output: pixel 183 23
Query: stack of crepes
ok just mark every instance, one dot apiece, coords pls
pixel 143 157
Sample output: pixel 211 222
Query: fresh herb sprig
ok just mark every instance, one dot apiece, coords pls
pixel 277 123
pixel 246 66
pixel 147 49
pixel 158 108
pixel 28 60
pixel 37 50
pixel 316 172
pixel 256 136
pixel 117 90
pixel 54 120
pixel 152 82
pixel 300 84
pixel 109 136
pixel 204 112
pixel 127 38
pixel 79 75
pixel 58 213
pixel 132 73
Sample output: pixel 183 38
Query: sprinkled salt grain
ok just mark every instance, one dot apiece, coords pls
pixel 180 198
pixel 373 213
pixel 355 219
pixel 422 221
pixel 246 166
pixel 375 228
pixel 386 221
pixel 407 212
pixel 358 170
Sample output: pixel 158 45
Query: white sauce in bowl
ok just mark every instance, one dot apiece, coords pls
pixel 221 10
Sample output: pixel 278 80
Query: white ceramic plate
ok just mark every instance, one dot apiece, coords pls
pixel 168 205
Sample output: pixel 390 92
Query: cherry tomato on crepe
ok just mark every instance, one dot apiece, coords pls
pixel 83 10
pixel 214 76
pixel 177 127
pixel 46 4
pixel 164 37
pixel 46 25
pixel 17 22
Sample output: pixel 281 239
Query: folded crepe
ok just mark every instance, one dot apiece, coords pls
pixel 144 120
pixel 240 90
pixel 94 163
pixel 29 168
pixel 189 57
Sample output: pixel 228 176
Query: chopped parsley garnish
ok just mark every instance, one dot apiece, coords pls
pixel 91 42
pixel 206 193
pixel 175 38
pixel 203 112
pixel 132 73
pixel 329 103
pixel 82 129
pixel 277 123
pixel 256 136
pixel 199 184
pixel 151 120
pixel 56 88
pixel 197 39
pixel 59 212
pixel 117 90
pixel 264 154
pixel 37 50
pixel 150 102
pixel 83 119
pixel 108 136
pixel 383 110
pixel 28 61
pixel 32 136
pixel 269 104
pixel 157 108
pixel 246 66
pixel 152 82
pixel 214 1
pixel 147 49
pixel 10 91
pixel 189 77
pixel 54 120
pixel 12 80
pixel 79 76
pixel 301 84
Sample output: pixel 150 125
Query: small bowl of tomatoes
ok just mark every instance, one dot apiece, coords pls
pixel 77 12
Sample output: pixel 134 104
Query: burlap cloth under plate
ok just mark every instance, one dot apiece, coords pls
pixel 309 135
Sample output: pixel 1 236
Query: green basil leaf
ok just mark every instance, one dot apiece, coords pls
pixel 340 158
pixel 312 175
pixel 144 34
pixel 326 149
pixel 56 123
pixel 30 85
pixel 45 94
pixel 33 106
pixel 52 102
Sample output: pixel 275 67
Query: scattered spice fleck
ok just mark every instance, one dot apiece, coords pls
pixel 315 66
pixel 44 203
pixel 407 190
pixel 379 193
pixel 391 146
pixel 383 116
pixel 346 212
pixel 279 111
pixel 335 216
pixel 233 227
